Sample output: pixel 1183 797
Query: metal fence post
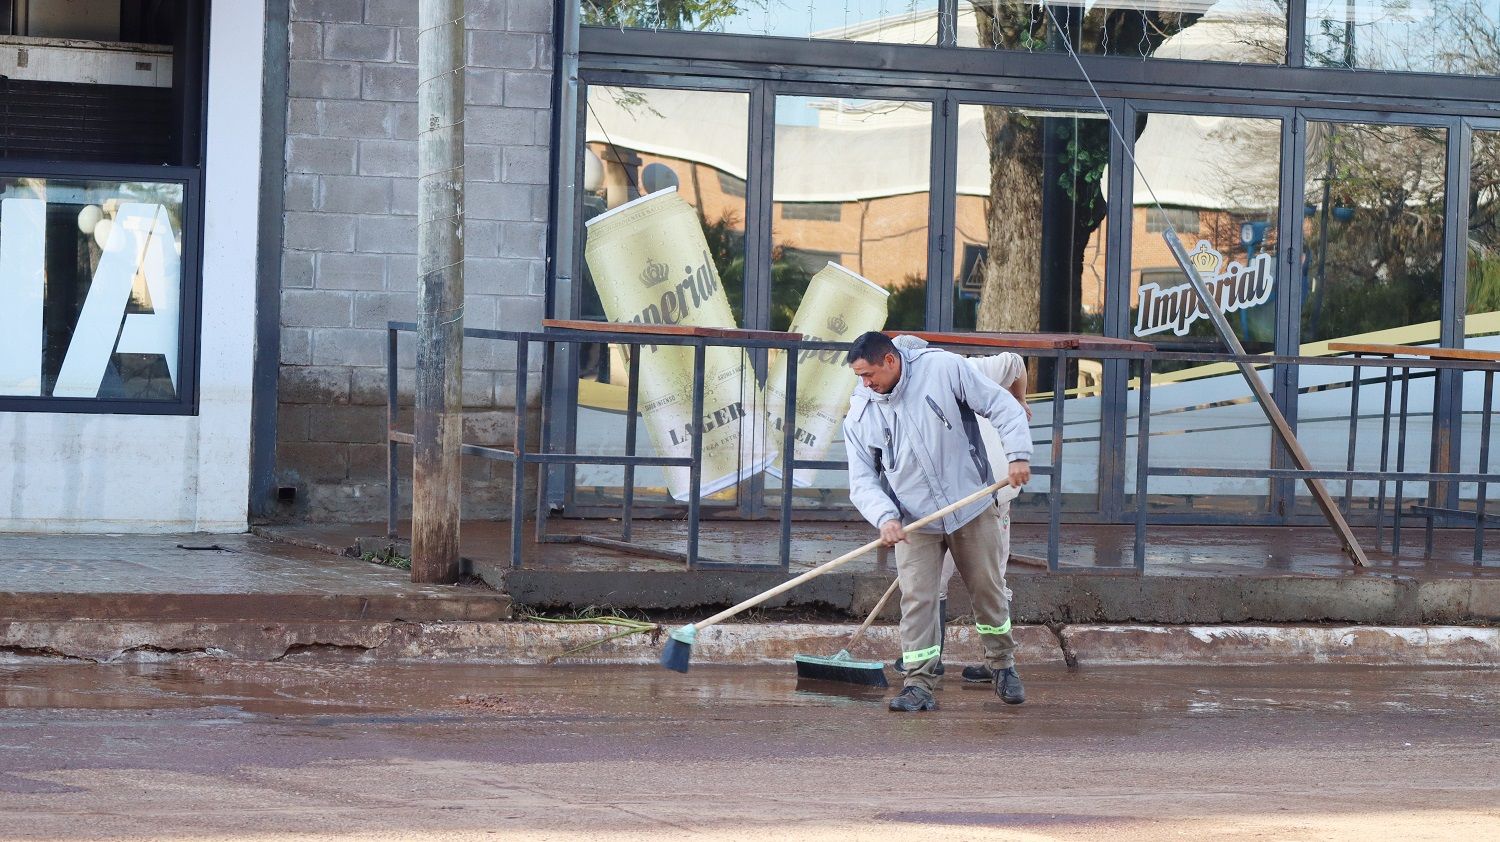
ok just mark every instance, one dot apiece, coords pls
pixel 1142 462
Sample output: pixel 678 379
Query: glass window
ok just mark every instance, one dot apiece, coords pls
pixel 1372 271
pixel 101 81
pixel 663 196
pixel 1483 296
pixel 1251 31
pixel 90 289
pixel 1030 256
pixel 1442 36
pixel 851 184
pixel 880 21
pixel 643 140
pixel 1219 180
pixel 1372 260
pixel 1030 220
pixel 1482 322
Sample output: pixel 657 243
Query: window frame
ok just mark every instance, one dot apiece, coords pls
pixel 190 315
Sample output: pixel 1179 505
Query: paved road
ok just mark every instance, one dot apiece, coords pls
pixel 215 750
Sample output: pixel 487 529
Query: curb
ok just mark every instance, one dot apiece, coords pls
pixel 739 644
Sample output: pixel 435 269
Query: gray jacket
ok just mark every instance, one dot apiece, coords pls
pixel 910 453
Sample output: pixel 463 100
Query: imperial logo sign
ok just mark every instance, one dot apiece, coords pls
pixel 1234 287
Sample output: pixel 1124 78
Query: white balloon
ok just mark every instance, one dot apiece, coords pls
pixel 101 232
pixel 89 217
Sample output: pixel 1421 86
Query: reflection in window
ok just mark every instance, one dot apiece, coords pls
pixel 1030 211
pixel 1484 241
pixel 90 289
pixel 1218 179
pixel 1482 324
pixel 879 21
pixel 865 165
pixel 641 140
pixel 690 149
pixel 1252 31
pixel 1441 36
pixel 1372 258
pixel 1029 248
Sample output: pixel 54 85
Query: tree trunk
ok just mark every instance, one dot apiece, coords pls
pixel 1011 298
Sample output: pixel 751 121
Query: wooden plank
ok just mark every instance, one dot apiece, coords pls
pixel 669 330
pixel 1411 351
pixel 1033 341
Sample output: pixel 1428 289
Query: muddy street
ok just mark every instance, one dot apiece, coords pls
pixel 209 749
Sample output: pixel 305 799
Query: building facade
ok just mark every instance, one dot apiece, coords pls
pixel 197 263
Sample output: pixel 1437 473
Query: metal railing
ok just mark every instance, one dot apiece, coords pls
pixel 1057 351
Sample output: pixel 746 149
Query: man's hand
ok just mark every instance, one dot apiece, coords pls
pixel 891 533
pixel 1020 473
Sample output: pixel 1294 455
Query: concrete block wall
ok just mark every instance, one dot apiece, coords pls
pixel 349 260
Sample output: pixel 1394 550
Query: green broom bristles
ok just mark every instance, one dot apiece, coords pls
pixel 841 668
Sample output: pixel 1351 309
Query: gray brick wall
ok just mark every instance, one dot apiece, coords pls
pixel 349 263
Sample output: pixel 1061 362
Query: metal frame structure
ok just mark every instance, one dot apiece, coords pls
pixel 1133 355
pixel 949 76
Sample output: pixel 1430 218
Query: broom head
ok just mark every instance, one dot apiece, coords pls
pixel 841 668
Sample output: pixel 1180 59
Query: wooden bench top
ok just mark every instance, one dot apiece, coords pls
pixel 668 330
pixel 1412 351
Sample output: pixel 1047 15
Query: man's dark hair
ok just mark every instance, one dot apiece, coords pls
pixel 872 348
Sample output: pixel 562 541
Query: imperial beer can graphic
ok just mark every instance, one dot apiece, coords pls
pixel 651 265
pixel 838 306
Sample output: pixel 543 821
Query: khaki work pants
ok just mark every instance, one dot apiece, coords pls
pixel 979 550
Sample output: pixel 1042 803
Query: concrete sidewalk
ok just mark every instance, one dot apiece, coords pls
pixel 1195 576
pixel 121 598
pixel 102 597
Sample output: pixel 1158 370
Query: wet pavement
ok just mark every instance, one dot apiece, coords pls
pixel 209 749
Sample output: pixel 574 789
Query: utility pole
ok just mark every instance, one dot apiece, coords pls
pixel 436 478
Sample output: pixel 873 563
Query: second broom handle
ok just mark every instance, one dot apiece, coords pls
pixel 874 612
pixel 845 558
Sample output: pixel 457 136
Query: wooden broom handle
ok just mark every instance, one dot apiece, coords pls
pixel 874 612
pixel 845 558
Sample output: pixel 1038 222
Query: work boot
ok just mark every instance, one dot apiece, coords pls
pixel 1008 686
pixel 978 674
pixel 913 698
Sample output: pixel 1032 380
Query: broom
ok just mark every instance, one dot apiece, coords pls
pixel 842 667
pixel 679 649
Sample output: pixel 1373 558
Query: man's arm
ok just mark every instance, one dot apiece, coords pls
pixel 1005 412
pixel 864 487
pixel 1008 371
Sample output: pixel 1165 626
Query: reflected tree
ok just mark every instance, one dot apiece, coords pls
pixel 1484 225
pixel 1046 222
pixel 1374 228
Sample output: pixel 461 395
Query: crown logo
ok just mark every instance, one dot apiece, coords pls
pixel 654 273
pixel 838 325
pixel 1206 260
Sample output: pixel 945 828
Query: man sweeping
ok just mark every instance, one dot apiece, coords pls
pixel 913 443
pixel 1008 371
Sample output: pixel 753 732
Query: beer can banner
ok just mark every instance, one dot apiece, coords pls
pixel 839 305
pixel 651 265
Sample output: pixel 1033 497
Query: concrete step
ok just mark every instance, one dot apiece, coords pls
pixel 521 642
